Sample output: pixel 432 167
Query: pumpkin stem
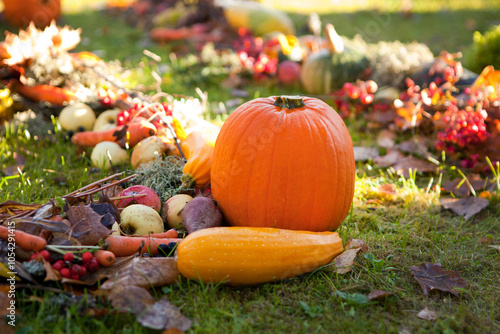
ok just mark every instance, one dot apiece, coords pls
pixel 334 41
pixel 188 181
pixel 289 102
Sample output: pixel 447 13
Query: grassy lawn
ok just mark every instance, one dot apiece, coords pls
pixel 403 230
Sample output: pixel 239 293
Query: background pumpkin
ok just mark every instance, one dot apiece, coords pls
pixel 329 68
pixel 256 17
pixel 20 13
pixel 284 162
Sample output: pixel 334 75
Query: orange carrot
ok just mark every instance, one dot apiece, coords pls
pixel 55 95
pixel 125 245
pixel 172 233
pixel 85 55
pixel 24 240
pixel 137 131
pixel 170 34
pixel 105 258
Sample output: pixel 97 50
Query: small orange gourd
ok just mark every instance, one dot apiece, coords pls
pixel 285 162
pixel 252 255
pixel 198 150
pixel 20 13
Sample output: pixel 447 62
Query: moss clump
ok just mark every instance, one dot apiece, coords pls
pixel 163 175
pixel 485 50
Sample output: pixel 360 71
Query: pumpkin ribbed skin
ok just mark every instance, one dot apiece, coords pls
pixel 198 151
pixel 324 71
pixel 285 168
pixel 251 255
pixel 20 13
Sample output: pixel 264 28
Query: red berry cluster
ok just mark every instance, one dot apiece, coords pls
pixel 462 127
pixel 247 43
pixel 69 266
pixel 251 53
pixel 446 69
pixel 106 98
pixel 357 95
pixel 260 67
pixel 125 116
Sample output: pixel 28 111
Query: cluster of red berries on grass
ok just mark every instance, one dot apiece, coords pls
pixel 70 266
pixel 354 94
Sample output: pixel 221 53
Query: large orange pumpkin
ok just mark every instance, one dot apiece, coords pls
pixel 284 162
pixel 20 13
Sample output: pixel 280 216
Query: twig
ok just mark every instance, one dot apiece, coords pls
pixel 126 197
pixel 94 184
pixel 95 190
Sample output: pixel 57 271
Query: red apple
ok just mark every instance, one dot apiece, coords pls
pixel 150 198
pixel 288 72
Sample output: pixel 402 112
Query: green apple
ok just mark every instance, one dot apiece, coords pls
pixel 106 120
pixel 77 115
pixel 106 151
pixel 141 219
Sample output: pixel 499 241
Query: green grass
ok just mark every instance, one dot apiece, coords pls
pixel 403 231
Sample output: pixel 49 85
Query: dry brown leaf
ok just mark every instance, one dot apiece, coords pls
pixel 50 273
pixel 389 159
pixel 345 261
pixel 18 167
pixel 356 243
pixel 475 181
pixel 494 247
pixel 144 272
pixel 386 139
pixel 404 165
pixel 427 314
pixel 467 207
pixel 416 145
pixel 132 298
pixel 164 315
pixel 431 276
pixel 86 224
pixel 365 153
pixel 379 294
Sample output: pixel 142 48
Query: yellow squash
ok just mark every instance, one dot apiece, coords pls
pixel 198 150
pixel 253 255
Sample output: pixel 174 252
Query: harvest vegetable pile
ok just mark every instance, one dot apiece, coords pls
pixel 251 200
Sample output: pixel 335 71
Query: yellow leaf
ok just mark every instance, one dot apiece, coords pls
pixel 6 272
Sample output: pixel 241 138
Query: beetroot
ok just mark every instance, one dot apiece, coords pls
pixel 200 213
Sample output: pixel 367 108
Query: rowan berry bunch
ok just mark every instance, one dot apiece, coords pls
pixel 140 109
pixel 70 266
pixel 354 96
